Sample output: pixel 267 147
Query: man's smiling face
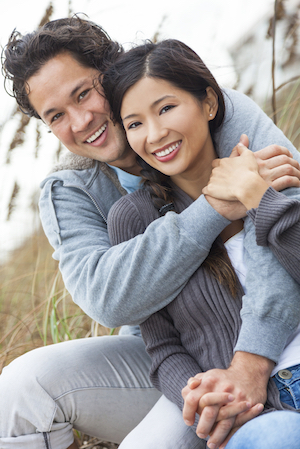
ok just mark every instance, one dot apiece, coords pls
pixel 68 98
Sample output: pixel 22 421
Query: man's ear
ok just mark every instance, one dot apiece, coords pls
pixel 211 102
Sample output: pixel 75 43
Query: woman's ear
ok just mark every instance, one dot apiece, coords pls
pixel 211 102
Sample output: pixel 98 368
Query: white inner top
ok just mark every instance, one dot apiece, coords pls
pixel 291 354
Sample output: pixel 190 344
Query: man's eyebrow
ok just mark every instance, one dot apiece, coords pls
pixel 155 103
pixel 72 93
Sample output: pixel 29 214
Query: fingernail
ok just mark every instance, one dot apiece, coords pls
pixel 260 407
pixel 188 423
pixel 212 446
pixel 201 435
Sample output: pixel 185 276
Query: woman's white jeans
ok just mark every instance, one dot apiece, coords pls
pixel 99 386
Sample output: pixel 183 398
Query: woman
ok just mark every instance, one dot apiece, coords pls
pixel 171 107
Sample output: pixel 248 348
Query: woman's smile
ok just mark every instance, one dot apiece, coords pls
pixel 169 128
pixel 168 152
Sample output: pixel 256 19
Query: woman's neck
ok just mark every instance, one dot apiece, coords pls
pixel 195 179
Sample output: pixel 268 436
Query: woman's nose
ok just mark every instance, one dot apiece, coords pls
pixel 156 133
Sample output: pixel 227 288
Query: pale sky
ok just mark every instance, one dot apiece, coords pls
pixel 210 27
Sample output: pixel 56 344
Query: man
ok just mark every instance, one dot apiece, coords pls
pixel 100 386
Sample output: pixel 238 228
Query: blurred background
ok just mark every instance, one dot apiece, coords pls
pixel 247 47
pixel 234 38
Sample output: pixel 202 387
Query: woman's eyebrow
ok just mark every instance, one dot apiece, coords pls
pixel 155 103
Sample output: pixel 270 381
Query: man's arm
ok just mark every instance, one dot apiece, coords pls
pixel 244 116
pixel 271 303
pixel 95 273
pixel 111 284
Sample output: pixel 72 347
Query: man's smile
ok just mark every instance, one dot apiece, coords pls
pixel 97 133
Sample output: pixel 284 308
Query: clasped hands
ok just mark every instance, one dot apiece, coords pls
pixel 238 183
pixel 225 399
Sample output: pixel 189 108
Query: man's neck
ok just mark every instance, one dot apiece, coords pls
pixel 128 164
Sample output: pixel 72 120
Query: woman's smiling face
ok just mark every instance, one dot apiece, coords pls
pixel 168 127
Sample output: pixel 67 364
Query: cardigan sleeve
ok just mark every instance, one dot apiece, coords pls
pixel 170 360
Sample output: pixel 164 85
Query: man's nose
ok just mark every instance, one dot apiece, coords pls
pixel 80 119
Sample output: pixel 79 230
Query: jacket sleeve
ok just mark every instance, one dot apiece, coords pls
pixel 271 305
pixel 111 284
pixel 244 116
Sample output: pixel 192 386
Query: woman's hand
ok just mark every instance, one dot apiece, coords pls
pixel 237 179
pixel 245 176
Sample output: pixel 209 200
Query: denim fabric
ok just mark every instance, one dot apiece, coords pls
pixel 273 430
pixel 290 388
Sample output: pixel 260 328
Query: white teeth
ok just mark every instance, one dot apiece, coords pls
pixel 168 150
pixel 97 134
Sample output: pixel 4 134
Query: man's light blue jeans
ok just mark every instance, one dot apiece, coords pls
pixel 274 430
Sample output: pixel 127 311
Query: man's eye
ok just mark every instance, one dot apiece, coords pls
pixel 134 125
pixel 56 117
pixel 83 94
pixel 166 108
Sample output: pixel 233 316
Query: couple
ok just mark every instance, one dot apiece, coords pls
pixel 91 384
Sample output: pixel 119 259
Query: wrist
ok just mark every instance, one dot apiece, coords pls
pixel 252 191
pixel 253 364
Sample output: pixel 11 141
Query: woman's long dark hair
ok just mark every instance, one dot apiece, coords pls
pixel 175 62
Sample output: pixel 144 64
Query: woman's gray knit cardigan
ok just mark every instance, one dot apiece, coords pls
pixel 199 329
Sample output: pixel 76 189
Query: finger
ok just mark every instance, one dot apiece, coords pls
pixel 216 163
pixel 207 421
pixel 285 170
pixel 247 416
pixel 191 401
pixel 209 409
pixel 277 161
pixel 193 382
pixel 215 398
pixel 271 151
pixel 285 182
pixel 220 433
pixel 231 410
pixel 238 150
pixel 190 407
pixel 244 140
pixel 231 433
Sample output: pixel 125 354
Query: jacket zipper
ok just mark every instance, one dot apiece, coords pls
pixel 92 198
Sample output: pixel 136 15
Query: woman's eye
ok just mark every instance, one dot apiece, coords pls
pixel 133 125
pixel 166 108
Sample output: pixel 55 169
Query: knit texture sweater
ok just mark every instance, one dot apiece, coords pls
pixel 199 329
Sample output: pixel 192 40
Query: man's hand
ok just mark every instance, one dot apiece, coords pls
pixel 229 182
pixel 244 382
pixel 277 167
